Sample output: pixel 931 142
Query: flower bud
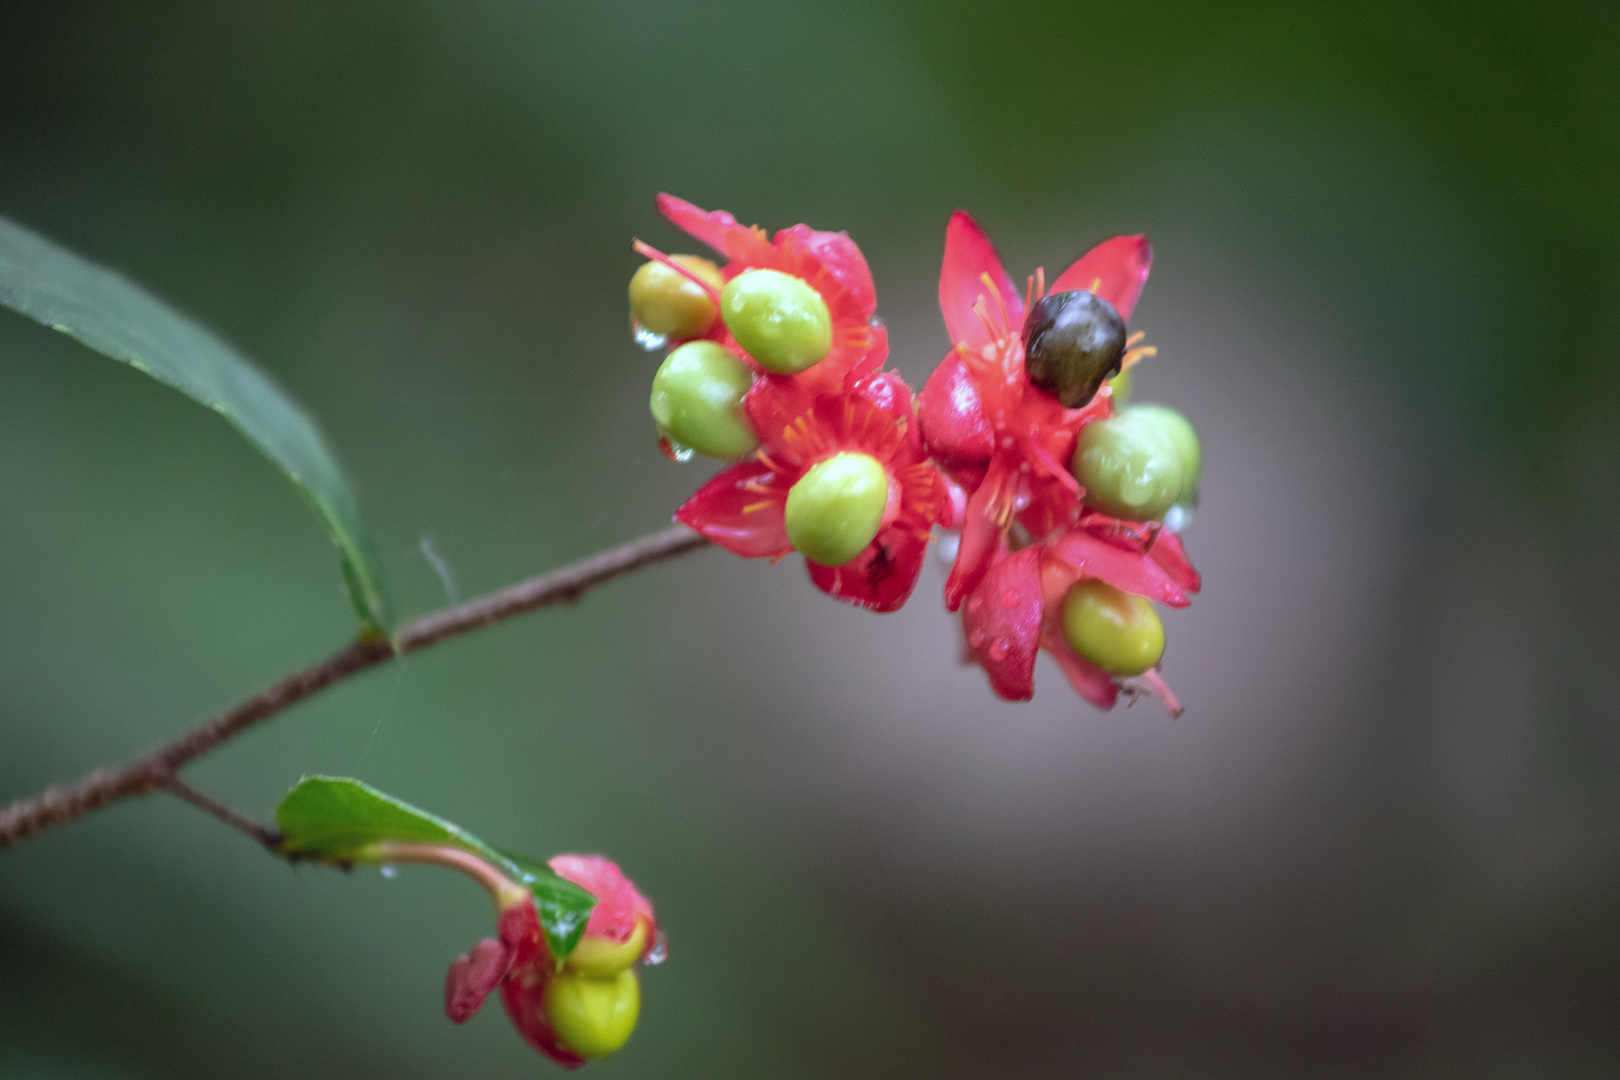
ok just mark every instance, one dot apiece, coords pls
pixel 697 400
pixel 1072 342
pixel 1181 434
pixel 1129 466
pixel 666 302
pixel 836 508
pixel 593 1016
pixel 779 319
pixel 1115 630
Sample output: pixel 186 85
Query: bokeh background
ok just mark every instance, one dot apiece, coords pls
pixel 1384 840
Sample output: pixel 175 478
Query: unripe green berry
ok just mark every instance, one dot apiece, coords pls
pixel 601 957
pixel 836 508
pixel 667 302
pixel 1116 630
pixel 1185 439
pixel 779 319
pixel 697 400
pixel 1129 466
pixel 593 1016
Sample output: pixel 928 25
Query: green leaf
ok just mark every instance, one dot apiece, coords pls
pixel 564 907
pixel 95 306
pixel 336 819
pixel 332 818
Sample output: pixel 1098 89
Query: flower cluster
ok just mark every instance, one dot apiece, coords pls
pixel 575 1008
pixel 1054 494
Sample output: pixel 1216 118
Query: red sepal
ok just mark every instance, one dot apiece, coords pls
pixel 472 976
pixel 1115 270
pixel 969 258
pixel 1002 619
pixel 620 907
pixel 1089 681
pixel 741 510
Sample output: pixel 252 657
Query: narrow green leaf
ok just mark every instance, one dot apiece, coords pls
pixel 95 306
pixel 564 907
pixel 334 819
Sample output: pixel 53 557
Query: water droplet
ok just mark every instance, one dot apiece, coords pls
pixel 1178 518
pixel 659 951
pixel 648 340
pixel 1010 598
pixel 976 638
pixel 974 603
pixel 1007 443
pixel 390 871
pixel 674 450
pixel 1021 500
pixel 998 650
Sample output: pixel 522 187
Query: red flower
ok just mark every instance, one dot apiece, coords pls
pixel 832 265
pixel 1006 441
pixel 621 930
pixel 743 509
pixel 1016 607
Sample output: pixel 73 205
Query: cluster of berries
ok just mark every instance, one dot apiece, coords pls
pixel 572 1008
pixel 1060 504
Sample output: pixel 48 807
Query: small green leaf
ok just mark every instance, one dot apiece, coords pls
pixel 564 907
pixel 97 307
pixel 332 817
pixel 335 819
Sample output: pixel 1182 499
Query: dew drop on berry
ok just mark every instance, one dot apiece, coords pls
pixel 674 450
pixel 659 951
pixel 649 340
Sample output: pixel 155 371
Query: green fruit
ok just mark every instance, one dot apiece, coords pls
pixel 593 1016
pixel 697 400
pixel 1185 439
pixel 836 508
pixel 778 319
pixel 667 302
pixel 1130 468
pixel 1116 630
pixel 601 957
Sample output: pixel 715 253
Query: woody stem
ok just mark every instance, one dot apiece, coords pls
pixel 159 768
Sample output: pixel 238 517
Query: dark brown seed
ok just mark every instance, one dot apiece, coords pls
pixel 1073 341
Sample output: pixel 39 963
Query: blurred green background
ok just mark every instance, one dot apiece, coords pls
pixel 1385 840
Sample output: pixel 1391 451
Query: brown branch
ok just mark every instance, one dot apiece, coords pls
pixel 159 768
pixel 264 834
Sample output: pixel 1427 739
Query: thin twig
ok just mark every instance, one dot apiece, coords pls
pixel 264 834
pixel 158 768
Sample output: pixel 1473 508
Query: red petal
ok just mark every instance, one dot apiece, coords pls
pixel 881 578
pixel 1003 623
pixel 472 976
pixel 718 229
pixel 730 514
pixel 969 255
pixel 981 537
pixel 1168 553
pixel 841 260
pixel 1133 571
pixel 1115 270
pixel 954 427
pixel 620 907
pixel 1091 682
